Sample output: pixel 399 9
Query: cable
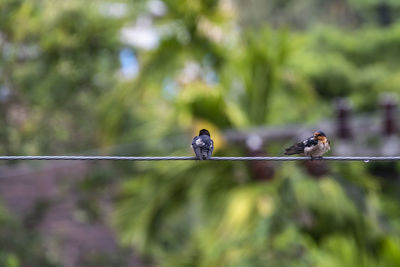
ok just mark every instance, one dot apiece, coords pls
pixel 365 159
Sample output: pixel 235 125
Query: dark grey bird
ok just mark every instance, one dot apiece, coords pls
pixel 203 145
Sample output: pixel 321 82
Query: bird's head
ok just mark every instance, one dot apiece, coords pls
pixel 320 136
pixel 204 132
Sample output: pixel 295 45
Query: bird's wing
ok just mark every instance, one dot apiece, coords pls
pixel 310 142
pixel 209 143
pixel 211 148
pixel 206 142
pixel 196 147
pixel 298 148
pixel 194 141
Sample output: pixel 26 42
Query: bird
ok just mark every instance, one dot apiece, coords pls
pixel 314 146
pixel 203 145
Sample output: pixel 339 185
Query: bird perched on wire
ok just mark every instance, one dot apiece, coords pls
pixel 314 146
pixel 203 145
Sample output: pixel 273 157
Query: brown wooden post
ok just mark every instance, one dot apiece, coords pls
pixel 343 116
pixel 389 108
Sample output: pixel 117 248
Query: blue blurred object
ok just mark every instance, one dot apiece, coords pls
pixel 129 63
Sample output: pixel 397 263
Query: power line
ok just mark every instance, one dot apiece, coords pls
pixel 365 159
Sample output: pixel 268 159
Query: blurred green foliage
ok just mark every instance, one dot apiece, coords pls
pixel 21 246
pixel 220 67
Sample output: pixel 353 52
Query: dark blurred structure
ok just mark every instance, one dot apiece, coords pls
pixel 343 117
pixel 389 108
pixel 316 168
pixel 261 170
pixel 384 14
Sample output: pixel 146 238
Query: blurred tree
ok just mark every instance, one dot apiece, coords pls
pixel 57 60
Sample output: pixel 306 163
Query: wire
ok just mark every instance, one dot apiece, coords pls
pixel 365 159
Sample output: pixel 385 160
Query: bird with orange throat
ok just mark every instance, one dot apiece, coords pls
pixel 314 146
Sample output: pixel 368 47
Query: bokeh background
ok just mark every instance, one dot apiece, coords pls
pixel 142 77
